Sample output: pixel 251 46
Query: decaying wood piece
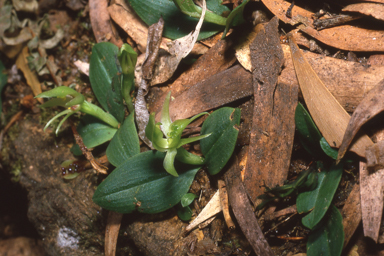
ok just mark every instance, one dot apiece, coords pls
pixel 101 23
pixel 375 155
pixel 242 209
pixel 345 37
pixel 272 132
pixel 220 57
pixel 224 204
pixel 351 213
pixel 112 232
pixel 371 192
pixel 329 116
pixel 220 89
pixel 211 209
pixel 369 107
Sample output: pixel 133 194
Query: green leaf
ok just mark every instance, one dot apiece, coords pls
pixel 154 134
pixel 328 150
pixel 94 132
pixel 309 135
pixel 184 213
pixel 218 147
pixel 235 17
pixel 169 161
pixel 188 158
pixel 102 68
pixel 3 82
pixel 304 201
pixel 328 239
pixel 187 199
pixel 321 197
pixel 125 143
pixel 115 105
pixel 142 184
pixel 189 8
pixel 177 24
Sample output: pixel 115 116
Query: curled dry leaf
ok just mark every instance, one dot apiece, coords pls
pixel 112 232
pixel 375 10
pixel 351 213
pixel 375 155
pixel 344 37
pixel 31 77
pixel 101 23
pixel 178 49
pixel 369 107
pixel 329 116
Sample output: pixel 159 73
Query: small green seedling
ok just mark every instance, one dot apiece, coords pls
pixel 172 143
pixel 183 210
pixel 74 102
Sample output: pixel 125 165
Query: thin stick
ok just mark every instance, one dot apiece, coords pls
pixel 224 204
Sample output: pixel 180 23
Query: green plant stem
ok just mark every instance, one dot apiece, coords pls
pixel 91 109
pixel 127 83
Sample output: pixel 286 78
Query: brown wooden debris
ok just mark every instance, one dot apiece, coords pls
pixel 87 153
pixel 224 204
pixel 370 106
pixel 375 10
pixel 220 57
pixel 112 233
pixel 13 120
pixel 344 37
pixel 351 213
pixel 272 132
pixel 243 211
pixel 281 213
pixel 371 192
pixel 375 155
pixel 334 21
pixel 101 23
pixel 329 116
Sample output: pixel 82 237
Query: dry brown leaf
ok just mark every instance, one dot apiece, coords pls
pixel 273 127
pixel 112 233
pixel 375 155
pixel 31 77
pixel 346 37
pixel 101 23
pixel 375 10
pixel 369 107
pixel 329 116
pixel 371 192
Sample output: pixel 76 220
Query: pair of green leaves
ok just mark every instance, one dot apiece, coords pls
pixel 140 181
pixel 181 16
pixel 324 220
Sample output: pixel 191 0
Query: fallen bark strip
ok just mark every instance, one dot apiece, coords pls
pixel 348 81
pixel 112 233
pixel 243 211
pixel 273 126
pixel 351 213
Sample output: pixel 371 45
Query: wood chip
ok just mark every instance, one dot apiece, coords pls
pixel 351 213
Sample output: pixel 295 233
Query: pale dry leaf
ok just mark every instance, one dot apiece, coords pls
pixel 82 66
pixel 211 209
pixel 375 10
pixel 25 6
pixel 329 116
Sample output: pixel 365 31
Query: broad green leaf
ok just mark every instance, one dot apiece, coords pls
pixel 328 150
pixel 142 184
pixel 3 82
pixel 115 105
pixel 218 147
pixel 187 199
pixel 328 238
pixel 304 201
pixel 322 197
pixel 103 66
pixel 235 17
pixel 184 213
pixel 309 135
pixel 177 24
pixel 94 132
pixel 125 143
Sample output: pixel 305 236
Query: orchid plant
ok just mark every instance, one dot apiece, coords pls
pixel 172 143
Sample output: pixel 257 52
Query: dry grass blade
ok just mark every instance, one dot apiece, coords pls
pixel 329 116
